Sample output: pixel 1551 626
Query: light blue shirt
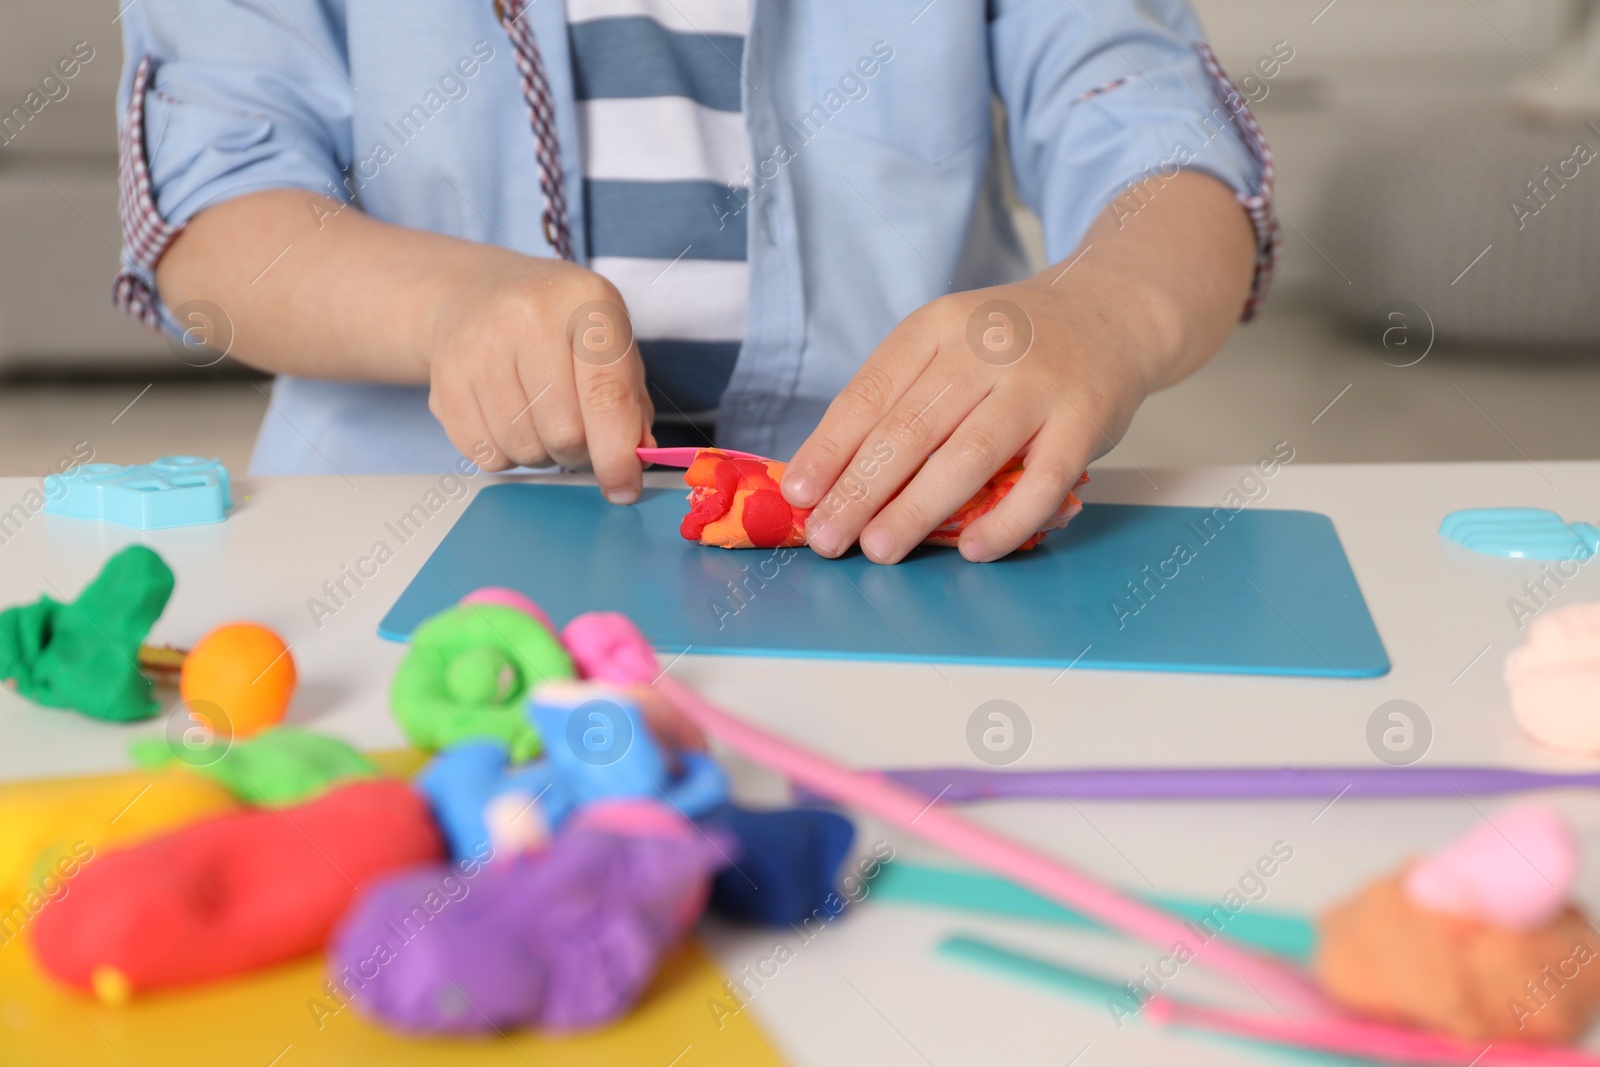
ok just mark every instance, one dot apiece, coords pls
pixel 666 164
pixel 876 184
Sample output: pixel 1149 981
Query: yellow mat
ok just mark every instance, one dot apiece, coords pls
pixel 281 1018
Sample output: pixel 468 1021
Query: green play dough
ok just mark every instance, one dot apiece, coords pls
pixel 467 676
pixel 282 766
pixel 482 675
pixel 84 655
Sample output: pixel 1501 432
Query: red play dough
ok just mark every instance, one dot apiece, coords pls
pixel 736 503
pixel 230 894
pixel 768 519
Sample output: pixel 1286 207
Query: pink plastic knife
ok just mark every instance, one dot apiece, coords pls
pixel 683 457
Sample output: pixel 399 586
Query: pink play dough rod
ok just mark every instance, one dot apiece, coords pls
pixel 1352 1037
pixel 608 647
pixel 1328 1031
pixel 916 815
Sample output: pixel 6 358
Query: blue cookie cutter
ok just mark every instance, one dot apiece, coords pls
pixel 1521 533
pixel 172 491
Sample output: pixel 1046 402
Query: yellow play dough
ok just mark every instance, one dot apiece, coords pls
pixel 286 1014
pixel 111 985
pixel 50 829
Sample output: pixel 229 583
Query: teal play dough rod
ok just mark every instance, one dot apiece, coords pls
pixel 1287 936
pixel 1521 533
pixel 1090 988
pixel 1332 1039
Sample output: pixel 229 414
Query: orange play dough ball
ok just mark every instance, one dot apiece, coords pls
pixel 243 669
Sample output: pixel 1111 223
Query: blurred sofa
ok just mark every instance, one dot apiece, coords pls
pixel 58 191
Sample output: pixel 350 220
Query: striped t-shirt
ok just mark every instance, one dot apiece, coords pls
pixel 666 162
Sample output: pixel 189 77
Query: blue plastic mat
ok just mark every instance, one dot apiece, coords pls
pixel 1128 587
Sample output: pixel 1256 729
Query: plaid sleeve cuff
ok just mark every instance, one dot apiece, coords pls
pixel 146 236
pixel 1258 205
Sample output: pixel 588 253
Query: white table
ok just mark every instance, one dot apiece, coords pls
pixel 869 989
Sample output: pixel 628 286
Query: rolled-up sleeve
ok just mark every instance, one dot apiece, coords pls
pixel 1102 95
pixel 220 99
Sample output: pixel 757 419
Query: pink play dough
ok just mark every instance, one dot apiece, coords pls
pixel 1514 871
pixel 1554 679
pixel 508 598
pixel 607 647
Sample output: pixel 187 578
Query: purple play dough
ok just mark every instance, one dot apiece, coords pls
pixel 954 785
pixel 564 939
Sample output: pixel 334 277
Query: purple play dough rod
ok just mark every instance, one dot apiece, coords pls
pixel 956 784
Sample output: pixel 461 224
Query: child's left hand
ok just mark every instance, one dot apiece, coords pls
pixel 961 387
pixel 1051 369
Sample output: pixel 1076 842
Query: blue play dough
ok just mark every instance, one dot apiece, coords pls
pixel 626 761
pixel 1521 533
pixel 787 866
pixel 460 782
pixel 172 491
pixel 463 779
pixel 1264 592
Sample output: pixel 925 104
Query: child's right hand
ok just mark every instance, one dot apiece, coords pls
pixel 531 360
pixel 537 357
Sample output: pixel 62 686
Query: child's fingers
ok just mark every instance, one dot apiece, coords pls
pixel 861 405
pixel 455 405
pixel 984 443
pixel 647 434
pixel 613 402
pixel 1050 469
pixel 552 405
pixel 894 450
pixel 507 404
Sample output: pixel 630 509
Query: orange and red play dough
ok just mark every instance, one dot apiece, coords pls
pixel 986 499
pixel 230 894
pixel 243 669
pixel 1478 939
pixel 735 502
pixel 1382 955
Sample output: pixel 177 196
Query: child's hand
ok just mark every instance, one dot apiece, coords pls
pixel 1051 369
pixel 967 383
pixel 538 358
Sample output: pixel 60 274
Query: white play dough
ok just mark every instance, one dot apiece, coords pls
pixel 1554 679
